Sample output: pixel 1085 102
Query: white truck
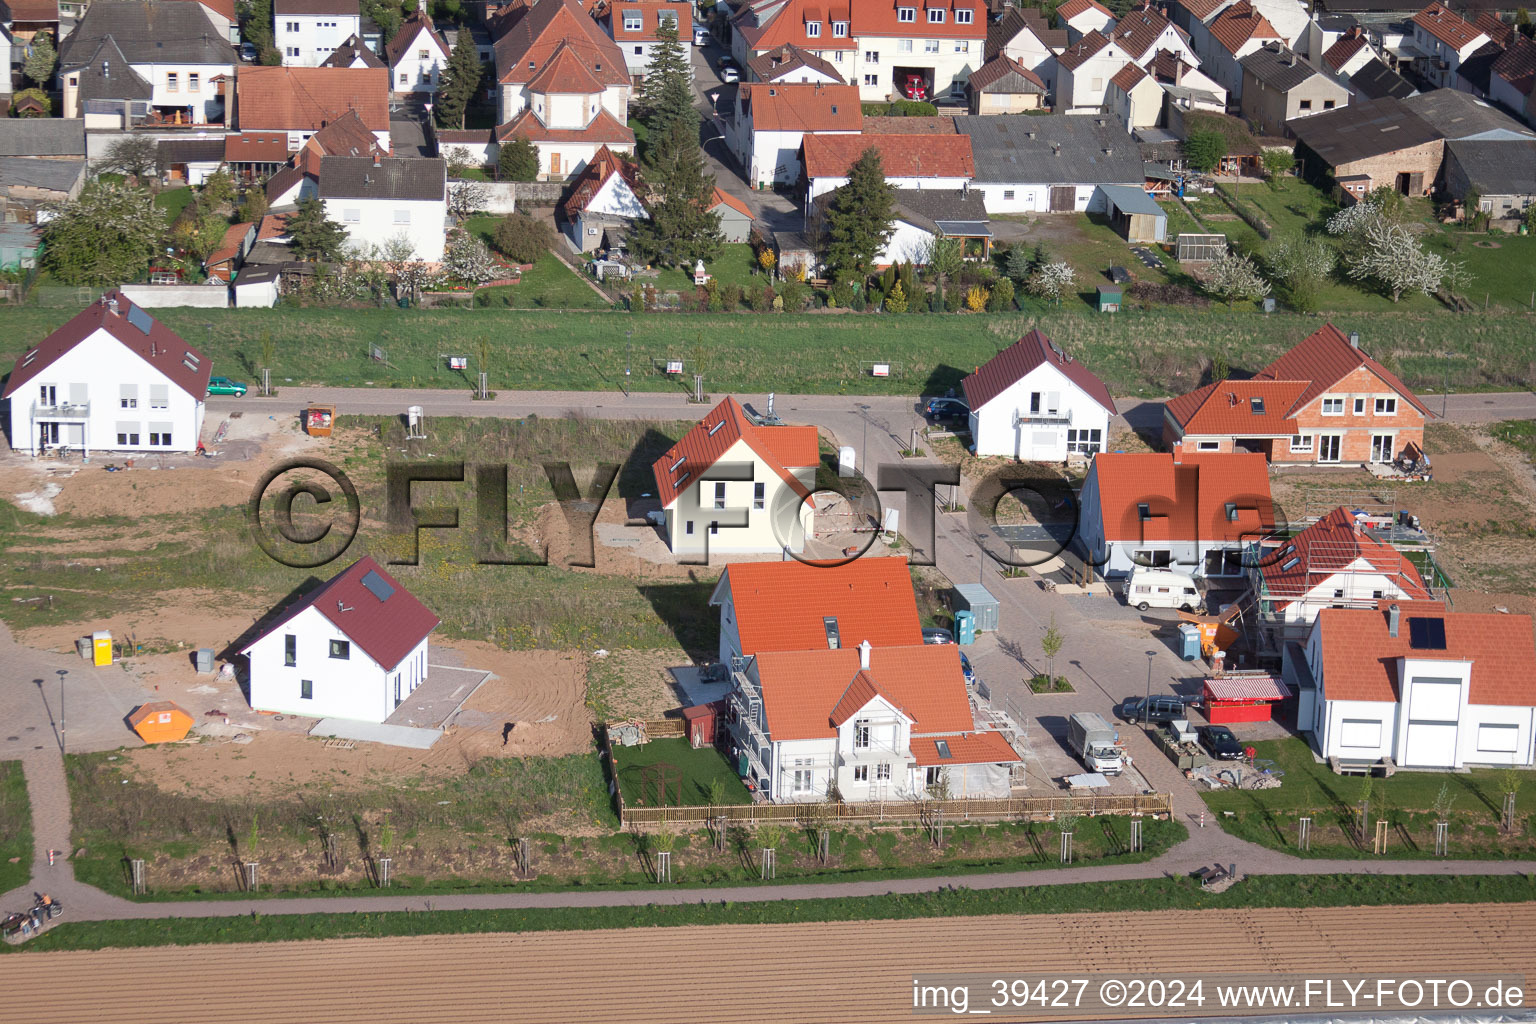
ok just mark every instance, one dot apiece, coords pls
pixel 1093 740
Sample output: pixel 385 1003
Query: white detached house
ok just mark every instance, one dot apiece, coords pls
pixel 354 647
pixel 417 56
pixel 379 198
pixel 111 379
pixel 1033 402
pixel 307 32
pixel 1412 682
pixel 734 486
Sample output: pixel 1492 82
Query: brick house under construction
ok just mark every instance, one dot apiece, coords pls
pixel 1324 401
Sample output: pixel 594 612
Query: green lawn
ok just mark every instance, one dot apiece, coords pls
pixel 549 285
pixel 1179 220
pixel 1407 801
pixel 1520 433
pixel 734 266
pixel 1097 248
pixel 1152 353
pixel 1503 270
pixel 173 201
pixel 695 769
pixel 15 827
pixel 1293 206
pixel 1104 897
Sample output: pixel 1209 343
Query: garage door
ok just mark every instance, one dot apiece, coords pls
pixel 1063 198
pixel 1431 745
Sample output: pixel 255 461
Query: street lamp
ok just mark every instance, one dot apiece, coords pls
pixel 1145 708
pixel 63 728
pixel 1445 382
pixel 628 345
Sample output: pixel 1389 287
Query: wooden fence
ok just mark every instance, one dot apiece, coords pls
pixel 1026 808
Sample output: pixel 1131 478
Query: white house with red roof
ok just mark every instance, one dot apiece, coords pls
pixel 354 647
pixel 1033 402
pixel 113 378
pixel 1446 39
pixel 603 198
pixel 909 161
pixel 835 691
pixel 1417 684
pixel 771 121
pixel 633 25
pixel 1192 513
pixel 1079 17
pixel 937 43
pixel 1337 562
pixel 1237 31
pixel 417 56
pixel 733 486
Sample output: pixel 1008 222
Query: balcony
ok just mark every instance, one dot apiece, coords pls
pixel 61 411
pixel 1043 419
pixel 876 752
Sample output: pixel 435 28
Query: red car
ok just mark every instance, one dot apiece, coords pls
pixel 914 87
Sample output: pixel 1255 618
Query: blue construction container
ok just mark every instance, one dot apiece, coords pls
pixel 1189 641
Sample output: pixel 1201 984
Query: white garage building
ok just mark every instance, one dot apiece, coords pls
pixel 1424 687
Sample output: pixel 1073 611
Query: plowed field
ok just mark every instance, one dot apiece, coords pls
pixel 845 971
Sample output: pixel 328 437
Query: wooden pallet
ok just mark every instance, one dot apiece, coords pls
pixel 337 743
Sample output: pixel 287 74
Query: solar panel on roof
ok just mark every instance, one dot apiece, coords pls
pixel 376 586
pixel 140 319
pixel 1426 634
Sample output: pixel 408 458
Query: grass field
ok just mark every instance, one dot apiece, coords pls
pixel 1157 894
pixel 1151 353
pixel 696 769
pixel 173 201
pixel 549 285
pixel 15 827
pixel 734 266
pixel 1407 802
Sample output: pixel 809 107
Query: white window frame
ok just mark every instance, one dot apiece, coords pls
pixel 871 79
pixel 634 21
pixel 719 494
pixel 759 495
pixel 402 217
pixel 883 772
pixel 804 780
pixel 861 773
pixel 813 30
pixel 1336 402
pixel 930 46
pixel 1208 446
pixel 871 56
pixel 936 15
pixel 355 216
pixel 963 16
pixel 1359 407
pixel 1385 406
pixel 839 30
pixel 903 46
pixel 861 734
pixel 1301 442
pixel 962 46
pixel 906 15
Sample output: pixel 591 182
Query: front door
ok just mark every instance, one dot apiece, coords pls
pixel 1328 448
pixel 1381 447
pixel 554 165
pixel 48 434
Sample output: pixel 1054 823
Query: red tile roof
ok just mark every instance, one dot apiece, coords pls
pixel 565 72
pixel 1238 24
pixel 783 448
pixel 1323 359
pixel 1200 10
pixel 969 748
pixel 650 19
pixel 1360 659
pixel 32 11
pixel 257 147
pixel 345 136
pixel 161 347
pixel 1517 65
pixel 786 60
pixel 386 630
pixel 273 225
pixel 1014 362
pixel 1339 54
pixel 787 26
pixel 1072 8
pixel 603 165
pixel 306 99
pixel 1447 26
pixel 806 694
pixel 1226 408
pixel 1079 53
pixel 901 156
pixel 396 49
pixel 879 18
pixel 722 197
pixel 779 606
pixel 534 33
pixel 801 107
pixel 1187 500
pixel 1494 27
pixel 604 129
pixel 1126 78
pixel 1331 545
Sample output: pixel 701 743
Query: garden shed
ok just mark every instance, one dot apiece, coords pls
pixel 1109 298
pixel 1134 215
pixel 1242 697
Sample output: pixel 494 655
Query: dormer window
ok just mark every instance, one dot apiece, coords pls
pixel 531 65
pixel 963 16
pixel 840 29
pixel 935 15
pixel 906 14
pixel 633 21
pixel 812 29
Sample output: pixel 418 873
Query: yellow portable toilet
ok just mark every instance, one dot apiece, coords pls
pixel 101 648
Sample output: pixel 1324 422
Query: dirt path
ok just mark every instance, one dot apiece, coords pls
pixel 842 971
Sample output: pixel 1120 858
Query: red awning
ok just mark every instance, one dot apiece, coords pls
pixel 1261 687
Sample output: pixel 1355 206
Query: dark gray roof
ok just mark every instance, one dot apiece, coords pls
pixel 148 33
pixel 1362 130
pixel 1053 148
pixel 1335 22
pixel 190 151
pixel 1282 69
pixel 358 177
pixel 107 75
pixel 1497 168
pixel 1132 199
pixel 42 136
pixel 1375 80
pixel 350 50
pixel 1458 115
pixel 1015 20
pixel 1478 68
pixel 55 174
pixel 947 209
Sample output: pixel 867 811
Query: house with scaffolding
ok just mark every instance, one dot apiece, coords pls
pixel 1347 559
pixel 835 696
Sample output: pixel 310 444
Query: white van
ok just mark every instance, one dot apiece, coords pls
pixel 700 35
pixel 1163 588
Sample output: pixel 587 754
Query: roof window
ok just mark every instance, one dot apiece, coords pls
pixel 943 748
pixel 1256 405
pixel 1144 510
pixel 1231 511
pixel 1291 563
pixel 680 460
pixel 716 428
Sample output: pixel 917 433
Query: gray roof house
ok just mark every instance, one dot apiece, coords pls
pixel 1278 86
pixel 172 48
pixel 1459 115
pixel 361 177
pixel 1375 80
pixel 918 217
pixel 42 137
pixel 1503 174
pixel 1028 163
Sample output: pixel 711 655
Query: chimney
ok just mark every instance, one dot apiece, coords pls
pixel 864 649
pixel 1393 613
pixel 376 159
pixel 1354 339
pixel 1178 453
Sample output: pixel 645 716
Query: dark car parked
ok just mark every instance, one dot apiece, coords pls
pixel 947 410
pixel 937 635
pixel 1161 709
pixel 1220 743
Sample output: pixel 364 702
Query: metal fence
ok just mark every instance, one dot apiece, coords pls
pixel 896 811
